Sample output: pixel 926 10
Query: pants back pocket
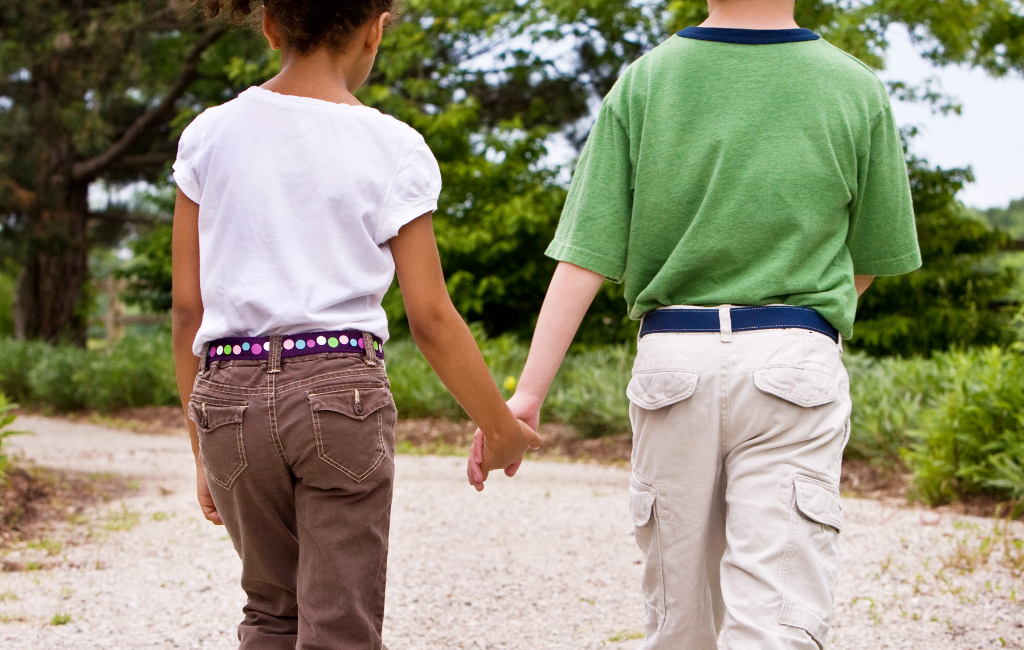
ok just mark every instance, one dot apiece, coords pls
pixel 349 428
pixel 221 445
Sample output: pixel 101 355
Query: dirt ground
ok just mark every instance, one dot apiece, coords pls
pixel 542 561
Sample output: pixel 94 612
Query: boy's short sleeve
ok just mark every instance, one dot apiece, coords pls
pixel 186 165
pixel 594 229
pixel 413 191
pixel 883 237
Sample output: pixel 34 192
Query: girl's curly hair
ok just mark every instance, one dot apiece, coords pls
pixel 308 25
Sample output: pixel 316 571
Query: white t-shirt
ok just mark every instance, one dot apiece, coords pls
pixel 298 198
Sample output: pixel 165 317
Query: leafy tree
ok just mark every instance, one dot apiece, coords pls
pixel 488 83
pixel 954 299
pixel 1009 219
pixel 91 90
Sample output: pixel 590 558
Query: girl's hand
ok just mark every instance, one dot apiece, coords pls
pixel 525 407
pixel 205 498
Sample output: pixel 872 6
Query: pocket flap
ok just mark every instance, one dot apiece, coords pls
pixel 818 503
pixel 654 390
pixel 356 403
pixel 802 386
pixel 641 502
pixel 210 416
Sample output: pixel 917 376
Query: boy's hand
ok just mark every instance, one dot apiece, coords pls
pixel 527 409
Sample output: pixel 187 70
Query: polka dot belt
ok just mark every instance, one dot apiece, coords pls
pixel 258 347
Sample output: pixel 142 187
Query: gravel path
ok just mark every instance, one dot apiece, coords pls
pixel 544 561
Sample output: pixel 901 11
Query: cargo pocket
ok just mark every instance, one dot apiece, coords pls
pixel 809 564
pixel 657 389
pixel 643 510
pixel 221 445
pixel 349 428
pixel 805 387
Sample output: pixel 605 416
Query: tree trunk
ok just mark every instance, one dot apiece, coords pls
pixel 50 302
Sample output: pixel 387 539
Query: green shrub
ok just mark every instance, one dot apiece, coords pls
pixel 58 378
pixel 888 398
pixel 588 393
pixel 17 359
pixel 972 441
pixel 138 372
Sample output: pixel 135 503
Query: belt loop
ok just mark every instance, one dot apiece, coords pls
pixel 368 352
pixel 725 322
pixel 204 358
pixel 274 360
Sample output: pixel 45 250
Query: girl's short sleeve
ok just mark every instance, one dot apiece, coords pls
pixel 186 165
pixel 413 191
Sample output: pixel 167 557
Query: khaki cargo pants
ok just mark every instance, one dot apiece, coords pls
pixel 299 456
pixel 737 447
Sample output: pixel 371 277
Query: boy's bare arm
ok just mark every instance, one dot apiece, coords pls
pixel 862 282
pixel 446 342
pixel 569 295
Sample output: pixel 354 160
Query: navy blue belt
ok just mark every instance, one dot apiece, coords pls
pixel 744 319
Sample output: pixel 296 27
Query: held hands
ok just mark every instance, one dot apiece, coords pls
pixel 505 451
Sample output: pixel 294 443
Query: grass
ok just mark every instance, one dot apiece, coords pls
pixel 50 546
pixel 60 618
pixel 122 520
pixel 954 421
pixel 626 636
pixel 974 547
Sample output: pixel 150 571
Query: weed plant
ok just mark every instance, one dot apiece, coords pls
pixel 889 396
pixel 972 441
pixel 7 417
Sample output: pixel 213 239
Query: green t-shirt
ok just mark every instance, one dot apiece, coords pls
pixel 745 174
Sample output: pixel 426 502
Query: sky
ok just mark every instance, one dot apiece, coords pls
pixel 988 135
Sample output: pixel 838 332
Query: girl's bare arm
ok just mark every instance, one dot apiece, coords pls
pixel 449 347
pixel 186 315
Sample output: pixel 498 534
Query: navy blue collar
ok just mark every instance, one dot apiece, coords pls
pixel 749 36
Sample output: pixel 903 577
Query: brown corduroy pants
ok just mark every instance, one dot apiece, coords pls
pixel 299 456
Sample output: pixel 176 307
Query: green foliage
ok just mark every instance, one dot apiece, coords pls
pixel 149 270
pixel 93 92
pixel 7 287
pixel 488 84
pixel 138 372
pixel 589 392
pixel 957 298
pixel 1009 219
pixel 7 417
pixel 972 441
pixel 889 396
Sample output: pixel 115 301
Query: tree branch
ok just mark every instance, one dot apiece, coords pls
pixel 89 169
pixel 127 217
pixel 145 159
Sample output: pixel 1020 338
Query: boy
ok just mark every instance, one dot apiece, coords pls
pixel 746 181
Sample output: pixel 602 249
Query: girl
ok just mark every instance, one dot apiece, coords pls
pixel 296 204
